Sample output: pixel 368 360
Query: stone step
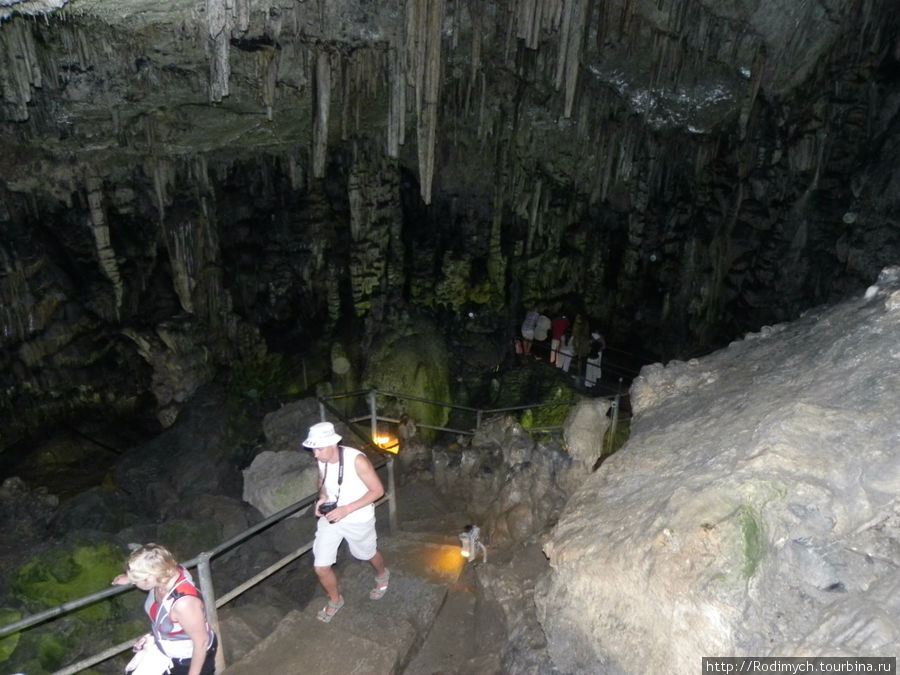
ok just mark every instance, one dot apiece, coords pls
pixel 368 637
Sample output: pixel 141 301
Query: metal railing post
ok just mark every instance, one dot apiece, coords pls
pixel 612 426
pixel 392 496
pixel 322 417
pixel 373 415
pixel 209 599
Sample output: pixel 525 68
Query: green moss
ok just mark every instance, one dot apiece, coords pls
pixel 128 630
pixel 67 574
pixel 8 644
pixel 414 364
pixel 550 415
pixel 40 652
pixel 753 540
pixel 51 650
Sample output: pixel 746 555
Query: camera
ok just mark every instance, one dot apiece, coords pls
pixel 327 507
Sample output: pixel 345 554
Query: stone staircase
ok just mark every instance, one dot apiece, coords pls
pixel 370 637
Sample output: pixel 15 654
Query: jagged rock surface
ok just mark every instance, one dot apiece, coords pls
pixel 753 511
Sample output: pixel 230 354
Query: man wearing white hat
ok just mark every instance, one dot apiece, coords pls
pixel 348 490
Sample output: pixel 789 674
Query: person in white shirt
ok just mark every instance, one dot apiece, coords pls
pixel 348 490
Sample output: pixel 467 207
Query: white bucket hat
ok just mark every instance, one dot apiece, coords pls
pixel 321 435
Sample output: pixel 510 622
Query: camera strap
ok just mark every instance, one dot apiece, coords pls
pixel 340 472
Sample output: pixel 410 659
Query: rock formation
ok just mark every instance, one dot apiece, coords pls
pixel 683 170
pixel 753 511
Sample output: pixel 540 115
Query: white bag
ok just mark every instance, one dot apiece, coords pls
pixel 149 660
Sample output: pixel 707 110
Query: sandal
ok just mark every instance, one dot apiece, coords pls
pixel 381 585
pixel 324 615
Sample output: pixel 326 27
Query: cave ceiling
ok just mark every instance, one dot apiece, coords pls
pixel 679 171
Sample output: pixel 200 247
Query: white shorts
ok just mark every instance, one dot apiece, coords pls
pixel 361 539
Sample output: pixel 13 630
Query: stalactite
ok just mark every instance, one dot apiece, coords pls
pixel 267 73
pixel 333 292
pixel 180 240
pixel 571 42
pixel 482 105
pixel 756 73
pixel 565 34
pixel 475 55
pixel 424 18
pixel 16 300
pixel 534 17
pixel 322 109
pixel 106 255
pixel 397 111
pixel 497 263
pixel 534 216
pixel 527 22
pixel 19 67
pixel 219 22
pixel 606 175
pixel 295 170
pixel 240 12
pixel 346 102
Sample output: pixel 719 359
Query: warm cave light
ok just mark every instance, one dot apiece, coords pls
pixel 387 443
pixel 470 544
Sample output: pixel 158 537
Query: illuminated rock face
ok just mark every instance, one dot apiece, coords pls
pixel 753 510
pixel 264 172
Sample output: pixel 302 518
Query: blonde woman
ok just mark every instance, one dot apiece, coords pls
pixel 176 610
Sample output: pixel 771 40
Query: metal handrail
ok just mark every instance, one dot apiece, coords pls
pixel 480 413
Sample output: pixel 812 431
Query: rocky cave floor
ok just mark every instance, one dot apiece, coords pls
pixel 468 634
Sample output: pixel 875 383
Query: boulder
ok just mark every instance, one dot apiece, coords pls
pixel 512 486
pixel 584 433
pixel 275 480
pixel 286 427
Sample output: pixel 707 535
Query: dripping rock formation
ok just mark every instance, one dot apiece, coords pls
pixel 186 185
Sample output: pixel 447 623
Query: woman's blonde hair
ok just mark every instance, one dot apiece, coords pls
pixel 151 559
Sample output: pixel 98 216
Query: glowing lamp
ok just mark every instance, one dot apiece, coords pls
pixel 387 443
pixel 470 544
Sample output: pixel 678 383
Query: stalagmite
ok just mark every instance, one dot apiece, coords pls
pixel 322 109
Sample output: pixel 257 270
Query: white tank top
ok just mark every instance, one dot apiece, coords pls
pixel 352 487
